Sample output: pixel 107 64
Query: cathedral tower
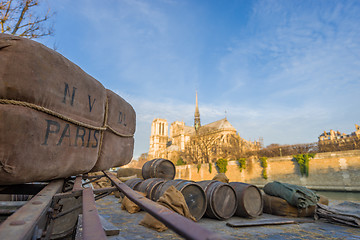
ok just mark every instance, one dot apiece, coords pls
pixel 197 123
pixel 158 138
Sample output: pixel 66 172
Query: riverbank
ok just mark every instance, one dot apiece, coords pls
pixel 332 171
pixel 341 196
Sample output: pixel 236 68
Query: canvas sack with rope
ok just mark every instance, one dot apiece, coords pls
pixel 117 142
pixel 52 115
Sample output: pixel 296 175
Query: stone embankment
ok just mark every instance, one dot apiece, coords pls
pixel 332 171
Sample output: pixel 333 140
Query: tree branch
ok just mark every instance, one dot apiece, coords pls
pixel 21 17
pixel 5 17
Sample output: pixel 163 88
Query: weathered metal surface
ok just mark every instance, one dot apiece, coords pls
pixel 24 189
pixel 22 223
pixel 264 222
pixel 179 224
pixel 9 207
pixel 129 227
pixel 78 193
pixel 159 168
pixel 92 228
pixel 77 184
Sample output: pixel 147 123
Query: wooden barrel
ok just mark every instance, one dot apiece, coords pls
pixel 158 168
pixel 134 183
pixel 149 186
pixel 194 195
pixel 221 199
pixel 249 198
pixel 165 185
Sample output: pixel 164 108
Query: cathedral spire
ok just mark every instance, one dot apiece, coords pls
pixel 197 115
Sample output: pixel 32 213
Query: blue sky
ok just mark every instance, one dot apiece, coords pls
pixel 282 70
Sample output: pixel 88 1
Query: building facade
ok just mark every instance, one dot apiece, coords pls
pixel 197 144
pixel 336 137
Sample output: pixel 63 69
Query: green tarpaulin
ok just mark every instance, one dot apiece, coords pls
pixel 298 196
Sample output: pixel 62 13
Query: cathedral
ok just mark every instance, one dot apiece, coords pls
pixel 198 143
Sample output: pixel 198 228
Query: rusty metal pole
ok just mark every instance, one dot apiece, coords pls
pixel 22 224
pixel 179 224
pixel 77 184
pixel 92 228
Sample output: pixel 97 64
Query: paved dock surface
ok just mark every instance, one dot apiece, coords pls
pixel 128 224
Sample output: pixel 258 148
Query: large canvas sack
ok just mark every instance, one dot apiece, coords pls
pixel 32 73
pixel 117 142
pixel 52 114
pixel 297 196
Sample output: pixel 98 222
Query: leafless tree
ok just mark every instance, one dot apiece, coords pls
pixel 210 147
pixel 200 149
pixel 24 18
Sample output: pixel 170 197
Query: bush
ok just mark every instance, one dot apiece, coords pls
pixel 303 161
pixel 221 164
pixel 210 167
pixel 242 163
pixel 198 167
pixel 180 161
pixel 263 161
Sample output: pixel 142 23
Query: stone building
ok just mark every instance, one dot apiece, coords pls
pixel 336 137
pixel 197 143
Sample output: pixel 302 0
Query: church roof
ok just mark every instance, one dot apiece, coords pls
pixel 189 130
pixel 222 124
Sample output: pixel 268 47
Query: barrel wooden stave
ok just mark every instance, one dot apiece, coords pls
pixel 250 200
pixel 194 195
pixel 159 168
pixel 149 186
pixel 221 199
pixel 134 183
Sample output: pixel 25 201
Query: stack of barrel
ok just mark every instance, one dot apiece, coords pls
pixel 213 199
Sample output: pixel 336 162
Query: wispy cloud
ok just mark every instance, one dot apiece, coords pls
pixel 283 70
pixel 297 51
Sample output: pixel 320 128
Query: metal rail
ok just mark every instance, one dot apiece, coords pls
pixel 92 228
pixel 23 223
pixel 179 224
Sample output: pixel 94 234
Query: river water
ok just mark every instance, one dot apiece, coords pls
pixel 341 196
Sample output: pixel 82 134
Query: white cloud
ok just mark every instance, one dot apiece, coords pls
pixel 291 72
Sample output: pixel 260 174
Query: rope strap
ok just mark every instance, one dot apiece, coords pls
pixel 60 116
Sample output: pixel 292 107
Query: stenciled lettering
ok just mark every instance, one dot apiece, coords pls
pixel 96 132
pixel 49 130
pixel 81 136
pixel 88 140
pixel 91 105
pixel 67 94
pixel 121 118
pixel 76 136
pixel 65 133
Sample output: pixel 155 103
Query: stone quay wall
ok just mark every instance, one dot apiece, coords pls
pixel 332 171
